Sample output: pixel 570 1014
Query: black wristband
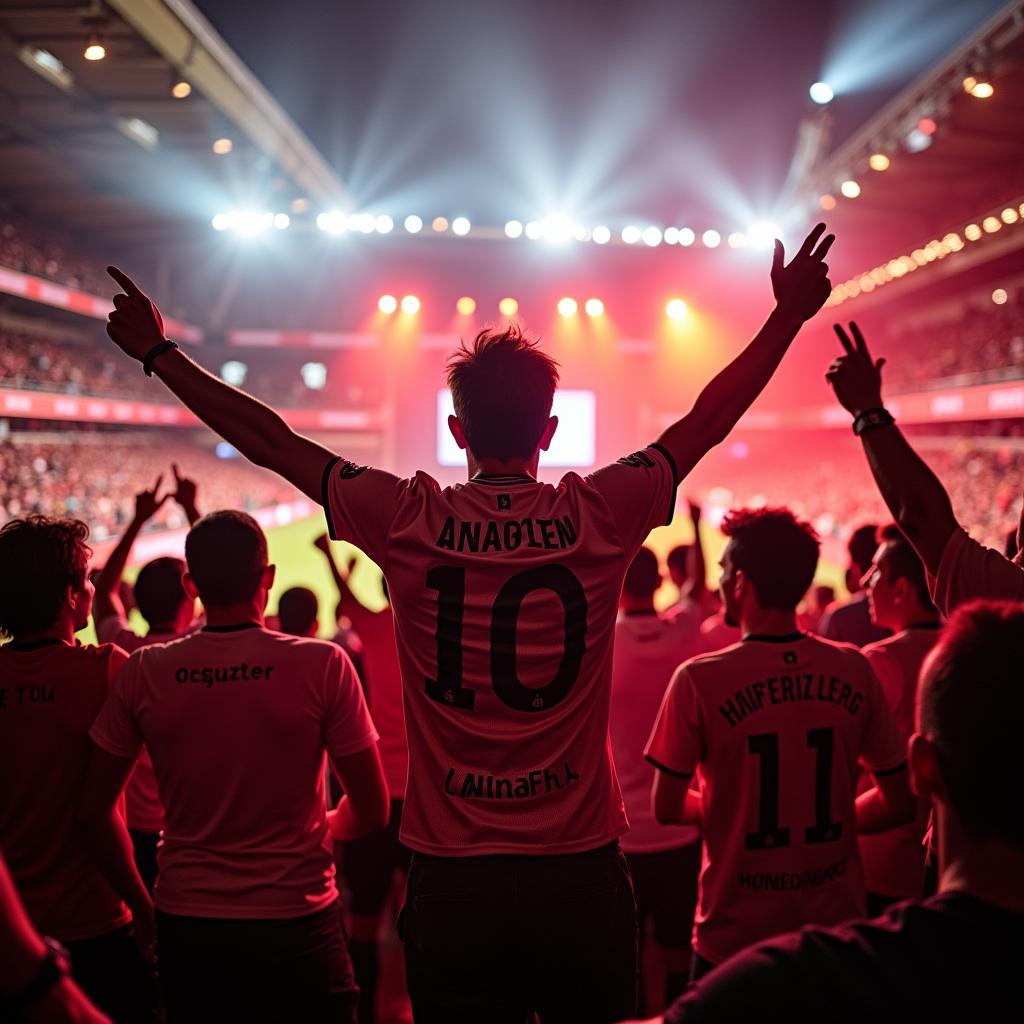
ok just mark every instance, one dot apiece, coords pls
pixel 872 419
pixel 156 350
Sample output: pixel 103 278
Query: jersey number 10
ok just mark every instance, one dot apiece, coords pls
pixel 450 584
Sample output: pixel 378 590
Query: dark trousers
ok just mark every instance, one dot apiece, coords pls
pixel 112 971
pixel 144 846
pixel 491 939
pixel 215 970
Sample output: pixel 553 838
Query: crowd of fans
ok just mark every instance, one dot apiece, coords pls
pixel 43 253
pixel 983 342
pixel 95 477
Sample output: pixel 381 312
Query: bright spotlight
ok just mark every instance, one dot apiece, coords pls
pixel 558 229
pixel 362 222
pixel 314 375
pixel 508 307
pixel 534 229
pixel 917 141
pixel 601 234
pixel 594 307
pixel 711 239
pixel 223 146
pixel 671 236
pixel 631 234
pixel 927 125
pixel 249 223
pixel 413 224
pixel 972 232
pixel 332 221
pixel 652 236
pixel 850 189
pixel 979 87
pixel 383 224
pixel 300 204
pixel 821 93
pixel 234 372
pixel 461 226
pixel 687 236
pixel 466 306
pixel 762 234
pixel 579 232
pixel 567 307
pixel 94 50
pixel 879 162
pixel 991 224
pixel 1009 216
pixel 281 221
pixel 999 297
pixel 440 224
pixel 221 222
pixel 181 89
pixel 387 303
pixel 737 240
pixel 513 228
pixel 676 309
pixel 410 304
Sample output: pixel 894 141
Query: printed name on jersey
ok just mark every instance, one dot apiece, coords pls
pixel 638 460
pixel 793 881
pixel 518 787
pixel 19 696
pixel 349 470
pixel 786 689
pixel 552 534
pixel 223 674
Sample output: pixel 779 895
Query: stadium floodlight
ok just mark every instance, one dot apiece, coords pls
pixel 234 372
pixel 466 306
pixel 439 224
pixel 332 221
pixel 220 222
pixel 594 307
pixel 314 375
pixel 461 226
pixel 508 307
pixel 181 89
pixel 222 146
pixel 762 234
pixel 410 304
pixel 413 224
pixel 1009 216
pixel 652 236
pixel 140 131
pixel 999 297
pixel 711 239
pixel 580 233
pixel 567 307
pixel 383 224
pixel 821 93
pixel 687 236
pixel 631 234
pixel 281 221
pixel 737 240
pixel 534 229
pixel 94 48
pixel 513 228
pixel 249 223
pixel 879 162
pixel 671 236
pixel 47 66
pixel 387 303
pixel 558 229
pixel 917 141
pixel 979 87
pixel 602 234
pixel 676 309
pixel 850 189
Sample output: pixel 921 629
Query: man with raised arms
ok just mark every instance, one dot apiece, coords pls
pixel 774 727
pixel 505 593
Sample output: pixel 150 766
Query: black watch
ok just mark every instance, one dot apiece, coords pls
pixel 55 966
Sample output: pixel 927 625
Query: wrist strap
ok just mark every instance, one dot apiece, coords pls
pixel 872 419
pixel 156 350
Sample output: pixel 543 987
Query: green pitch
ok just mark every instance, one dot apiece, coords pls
pixel 300 564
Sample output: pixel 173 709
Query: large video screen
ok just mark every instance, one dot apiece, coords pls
pixel 573 444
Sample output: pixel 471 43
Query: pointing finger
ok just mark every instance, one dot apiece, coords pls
pixel 129 286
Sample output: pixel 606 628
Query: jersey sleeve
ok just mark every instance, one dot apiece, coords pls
pixel 110 629
pixel 677 743
pixel 116 729
pixel 360 504
pixel 887 672
pixel 347 725
pixel 882 747
pixel 640 492
pixel 969 570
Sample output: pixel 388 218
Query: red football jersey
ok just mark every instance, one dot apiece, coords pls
pixel 774 729
pixel 505 593
pixel 49 696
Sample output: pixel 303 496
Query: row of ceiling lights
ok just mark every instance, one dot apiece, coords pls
pixel 675 309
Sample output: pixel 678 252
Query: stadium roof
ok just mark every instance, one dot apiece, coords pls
pixel 79 137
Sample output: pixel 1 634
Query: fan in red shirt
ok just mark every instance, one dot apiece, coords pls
pixel 238 720
pixel 504 592
pixel 774 728
pixel 51 689
pixel 168 611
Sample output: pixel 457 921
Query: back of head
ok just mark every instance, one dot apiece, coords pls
pixel 678 562
pixel 903 563
pixel 40 557
pixel 297 611
pixel 777 552
pixel 643 577
pixel 862 546
pixel 159 592
pixel 502 388
pixel 971 704
pixel 226 553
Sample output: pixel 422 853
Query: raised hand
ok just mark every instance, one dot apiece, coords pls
pixel 147 503
pixel 802 287
pixel 135 325
pixel 185 489
pixel 854 376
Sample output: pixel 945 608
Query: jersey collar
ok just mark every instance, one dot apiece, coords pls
pixel 232 628
pixel 785 638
